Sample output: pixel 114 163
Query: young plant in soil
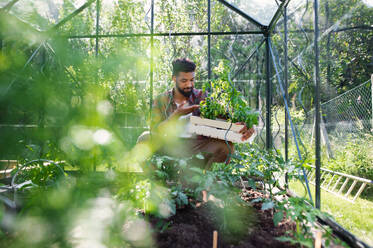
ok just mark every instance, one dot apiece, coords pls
pixel 174 173
pixel 269 167
pixel 225 102
pixel 231 215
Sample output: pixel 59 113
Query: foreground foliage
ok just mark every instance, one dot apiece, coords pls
pixel 120 203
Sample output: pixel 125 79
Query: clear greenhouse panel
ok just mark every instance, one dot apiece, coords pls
pixel 238 52
pixel 44 14
pixel 260 10
pixel 226 20
pixel 186 16
pixel 85 46
pixel 4 3
pixel 130 57
pixel 124 17
pixel 180 16
pixel 168 49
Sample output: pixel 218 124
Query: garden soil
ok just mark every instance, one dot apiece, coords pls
pixel 193 227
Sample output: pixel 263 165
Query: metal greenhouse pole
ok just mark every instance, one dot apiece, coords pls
pixel 97 24
pixel 286 87
pixel 268 95
pixel 96 54
pixel 209 39
pixel 151 58
pixel 317 105
pixel 268 32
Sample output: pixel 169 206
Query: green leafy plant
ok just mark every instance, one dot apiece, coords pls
pixel 225 102
pixel 38 172
pixel 305 216
pixel 175 174
pixel 268 167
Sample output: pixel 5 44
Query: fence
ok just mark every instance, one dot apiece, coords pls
pixel 349 112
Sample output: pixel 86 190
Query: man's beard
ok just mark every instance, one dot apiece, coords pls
pixel 185 93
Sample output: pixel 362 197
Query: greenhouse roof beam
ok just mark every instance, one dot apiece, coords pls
pixel 243 14
pixel 277 15
pixel 162 34
pixel 307 30
pixel 69 17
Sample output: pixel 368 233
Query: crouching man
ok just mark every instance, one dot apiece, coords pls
pixel 176 106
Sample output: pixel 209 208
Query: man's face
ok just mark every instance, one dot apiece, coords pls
pixel 184 82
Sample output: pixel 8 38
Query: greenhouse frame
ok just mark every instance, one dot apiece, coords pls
pixel 16 16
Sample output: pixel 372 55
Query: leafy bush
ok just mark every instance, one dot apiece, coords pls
pixel 355 157
pixel 297 116
pixel 352 155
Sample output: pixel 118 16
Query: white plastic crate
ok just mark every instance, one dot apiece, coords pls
pixel 217 129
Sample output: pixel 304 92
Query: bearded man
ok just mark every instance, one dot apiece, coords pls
pixel 179 104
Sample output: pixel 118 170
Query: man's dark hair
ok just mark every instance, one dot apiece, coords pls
pixel 182 65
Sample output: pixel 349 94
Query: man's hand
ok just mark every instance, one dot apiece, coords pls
pixel 184 110
pixel 246 132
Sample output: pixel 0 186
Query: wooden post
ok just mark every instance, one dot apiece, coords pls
pixel 215 240
pixel 313 131
pixel 318 239
pixel 325 139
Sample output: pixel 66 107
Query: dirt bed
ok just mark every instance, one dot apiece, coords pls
pixel 193 227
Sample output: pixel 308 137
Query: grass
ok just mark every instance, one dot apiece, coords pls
pixel 355 217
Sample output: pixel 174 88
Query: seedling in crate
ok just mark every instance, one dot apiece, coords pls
pixel 223 107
